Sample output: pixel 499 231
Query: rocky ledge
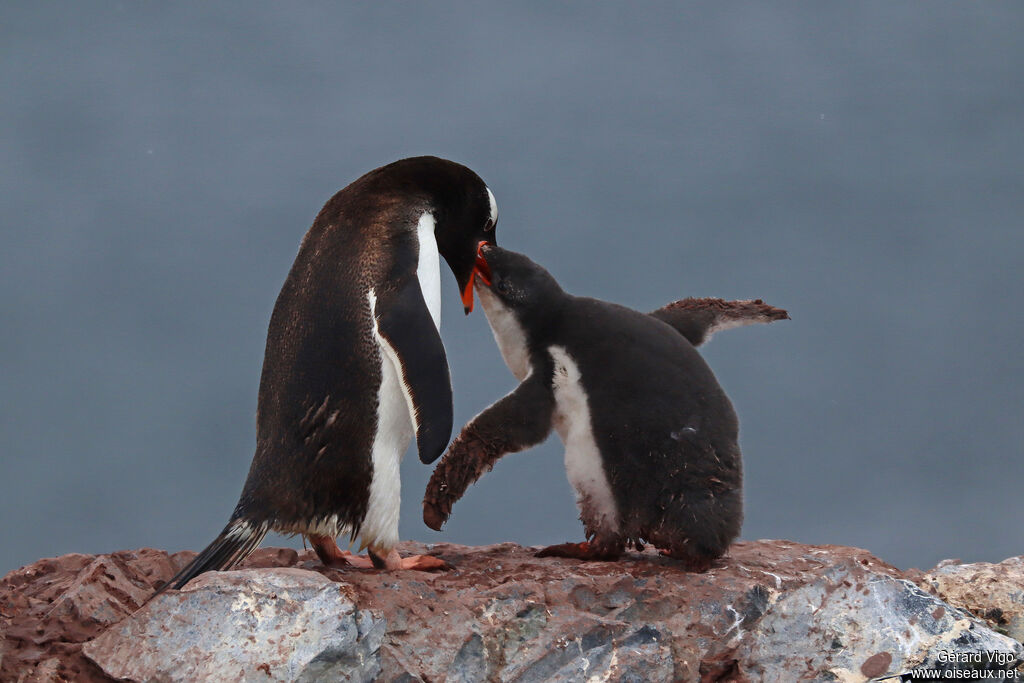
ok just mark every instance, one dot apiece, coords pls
pixel 769 611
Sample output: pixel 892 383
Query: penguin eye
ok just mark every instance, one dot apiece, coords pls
pixel 502 286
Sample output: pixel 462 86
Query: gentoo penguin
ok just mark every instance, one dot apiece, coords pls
pixel 354 365
pixel 650 437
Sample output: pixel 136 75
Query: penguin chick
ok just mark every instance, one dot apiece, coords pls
pixel 354 366
pixel 650 437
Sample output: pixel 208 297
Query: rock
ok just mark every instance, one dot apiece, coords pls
pixel 994 592
pixel 770 610
pixel 49 608
pixel 860 625
pixel 275 625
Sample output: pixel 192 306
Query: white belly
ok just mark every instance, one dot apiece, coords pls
pixel 583 463
pixel 394 434
pixel 395 427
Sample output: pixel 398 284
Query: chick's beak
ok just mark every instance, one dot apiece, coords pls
pixel 481 270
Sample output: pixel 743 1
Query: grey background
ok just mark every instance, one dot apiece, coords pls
pixel 859 164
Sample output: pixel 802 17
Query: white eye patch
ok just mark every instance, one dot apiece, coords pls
pixel 494 206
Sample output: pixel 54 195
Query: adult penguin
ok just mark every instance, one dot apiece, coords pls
pixel 354 365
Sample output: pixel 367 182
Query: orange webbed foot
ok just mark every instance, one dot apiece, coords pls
pixel 393 561
pixel 425 563
pixel 332 556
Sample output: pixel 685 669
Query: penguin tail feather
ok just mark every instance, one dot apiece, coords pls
pixel 233 545
pixel 698 319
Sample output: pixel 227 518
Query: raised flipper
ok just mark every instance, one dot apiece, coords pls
pixel 698 319
pixel 516 422
pixel 414 345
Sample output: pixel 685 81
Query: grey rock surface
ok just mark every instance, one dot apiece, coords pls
pixel 277 625
pixel 852 625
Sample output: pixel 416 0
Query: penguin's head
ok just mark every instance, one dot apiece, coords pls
pixel 519 284
pixel 466 218
pixel 463 208
pixel 463 231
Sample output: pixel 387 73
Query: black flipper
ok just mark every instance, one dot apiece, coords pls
pixel 518 421
pixel 404 322
pixel 698 319
pixel 233 545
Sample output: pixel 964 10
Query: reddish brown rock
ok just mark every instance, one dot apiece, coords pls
pixel 49 608
pixel 767 611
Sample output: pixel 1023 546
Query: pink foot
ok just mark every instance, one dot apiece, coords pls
pixel 394 561
pixel 331 555
pixel 424 563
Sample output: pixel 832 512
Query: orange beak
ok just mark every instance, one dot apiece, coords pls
pixel 480 268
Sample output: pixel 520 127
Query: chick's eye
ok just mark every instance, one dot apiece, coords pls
pixel 502 287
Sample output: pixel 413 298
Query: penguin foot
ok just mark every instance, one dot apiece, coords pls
pixel 581 551
pixel 394 561
pixel 353 560
pixel 332 556
pixel 425 563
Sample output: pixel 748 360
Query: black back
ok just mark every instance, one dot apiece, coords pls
pixel 665 428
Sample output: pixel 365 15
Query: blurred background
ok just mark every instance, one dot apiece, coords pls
pixel 859 164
